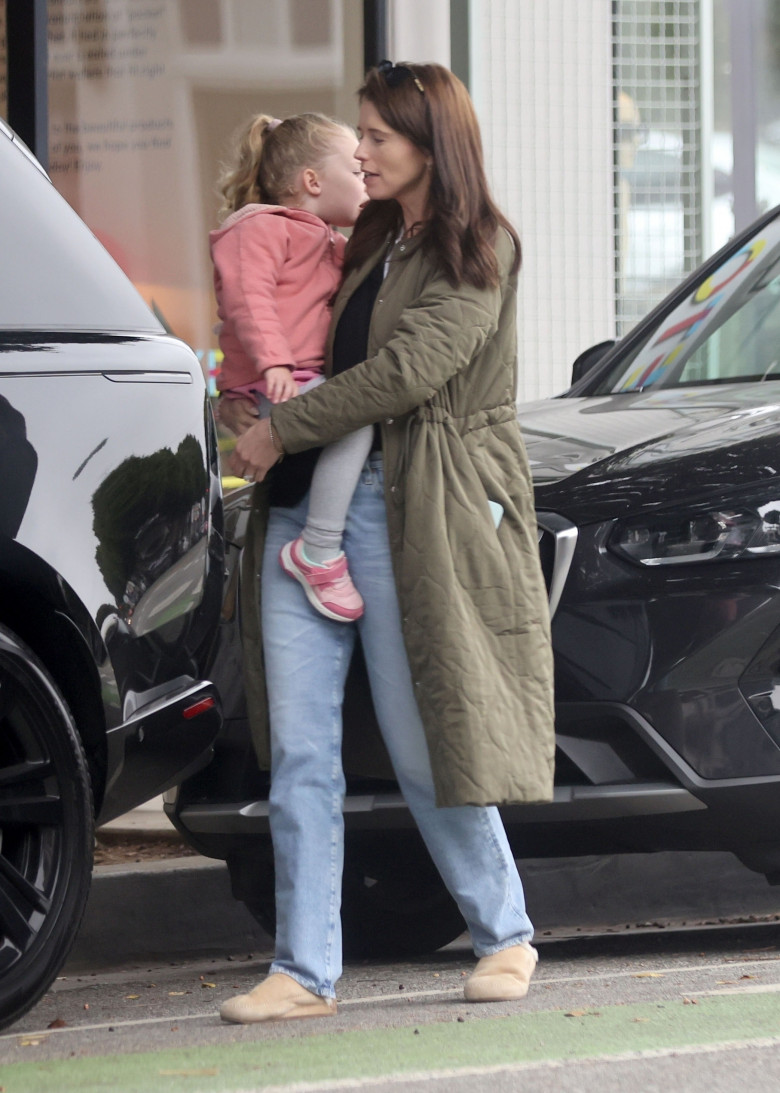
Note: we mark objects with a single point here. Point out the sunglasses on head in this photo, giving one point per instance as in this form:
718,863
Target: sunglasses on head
396,74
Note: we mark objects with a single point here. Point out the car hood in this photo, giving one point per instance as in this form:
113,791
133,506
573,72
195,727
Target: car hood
602,456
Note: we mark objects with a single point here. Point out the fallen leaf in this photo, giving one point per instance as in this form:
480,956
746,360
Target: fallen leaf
648,975
175,994
748,977
132,996
57,1023
690,1002
583,1013
209,985
29,1043
639,1020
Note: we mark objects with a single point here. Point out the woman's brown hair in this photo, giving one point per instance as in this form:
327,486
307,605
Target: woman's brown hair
429,106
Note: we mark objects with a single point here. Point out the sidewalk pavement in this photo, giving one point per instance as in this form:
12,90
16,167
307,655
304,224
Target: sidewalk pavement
148,819
177,908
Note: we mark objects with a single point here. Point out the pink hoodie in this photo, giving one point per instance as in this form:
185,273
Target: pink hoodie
275,273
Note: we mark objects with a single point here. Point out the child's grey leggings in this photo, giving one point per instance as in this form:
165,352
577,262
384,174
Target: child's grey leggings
336,475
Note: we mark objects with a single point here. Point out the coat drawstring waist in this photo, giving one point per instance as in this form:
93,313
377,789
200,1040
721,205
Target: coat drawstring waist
440,415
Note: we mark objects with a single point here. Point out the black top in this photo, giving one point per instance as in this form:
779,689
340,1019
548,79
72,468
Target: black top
350,344
290,480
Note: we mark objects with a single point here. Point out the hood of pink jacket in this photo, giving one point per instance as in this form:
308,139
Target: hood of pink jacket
267,210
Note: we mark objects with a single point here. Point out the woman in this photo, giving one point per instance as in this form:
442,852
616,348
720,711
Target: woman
441,542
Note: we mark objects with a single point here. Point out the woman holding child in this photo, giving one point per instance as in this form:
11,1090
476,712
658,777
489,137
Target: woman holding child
440,541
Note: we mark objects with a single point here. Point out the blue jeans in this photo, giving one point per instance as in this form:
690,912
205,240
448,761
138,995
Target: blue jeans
307,657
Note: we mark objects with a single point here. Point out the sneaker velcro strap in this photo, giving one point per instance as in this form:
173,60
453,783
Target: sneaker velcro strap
327,576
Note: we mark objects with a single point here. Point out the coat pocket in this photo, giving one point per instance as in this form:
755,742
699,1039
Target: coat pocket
453,551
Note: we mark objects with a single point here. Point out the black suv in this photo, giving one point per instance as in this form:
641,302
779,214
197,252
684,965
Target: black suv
657,478
111,566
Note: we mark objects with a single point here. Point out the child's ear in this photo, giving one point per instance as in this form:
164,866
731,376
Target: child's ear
310,182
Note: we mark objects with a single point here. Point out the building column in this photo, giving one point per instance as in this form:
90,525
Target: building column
541,81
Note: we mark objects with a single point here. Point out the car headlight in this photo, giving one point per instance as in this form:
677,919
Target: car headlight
701,535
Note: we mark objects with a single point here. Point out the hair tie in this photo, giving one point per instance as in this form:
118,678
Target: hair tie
272,124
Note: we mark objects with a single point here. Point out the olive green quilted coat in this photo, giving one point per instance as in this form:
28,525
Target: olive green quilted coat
441,380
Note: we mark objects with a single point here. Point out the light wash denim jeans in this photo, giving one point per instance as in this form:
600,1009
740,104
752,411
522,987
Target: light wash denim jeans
307,657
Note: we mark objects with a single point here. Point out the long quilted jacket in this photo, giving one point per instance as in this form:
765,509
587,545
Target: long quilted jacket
440,379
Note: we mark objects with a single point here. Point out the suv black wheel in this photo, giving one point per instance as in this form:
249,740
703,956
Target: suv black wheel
394,903
46,829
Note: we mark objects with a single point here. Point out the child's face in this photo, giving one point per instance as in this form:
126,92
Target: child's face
342,193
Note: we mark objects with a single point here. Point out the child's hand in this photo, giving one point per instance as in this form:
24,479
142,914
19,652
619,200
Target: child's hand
280,385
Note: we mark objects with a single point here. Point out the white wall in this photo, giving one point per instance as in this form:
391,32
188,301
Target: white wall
542,85
419,30
541,81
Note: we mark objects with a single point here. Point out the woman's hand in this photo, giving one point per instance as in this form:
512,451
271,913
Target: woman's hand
237,414
255,453
280,384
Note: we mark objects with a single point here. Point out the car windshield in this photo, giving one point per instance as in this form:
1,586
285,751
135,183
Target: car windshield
726,330
54,274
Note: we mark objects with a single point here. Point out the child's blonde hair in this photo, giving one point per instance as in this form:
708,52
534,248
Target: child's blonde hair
269,154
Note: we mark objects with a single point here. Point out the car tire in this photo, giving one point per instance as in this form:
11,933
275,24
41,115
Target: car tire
46,829
394,904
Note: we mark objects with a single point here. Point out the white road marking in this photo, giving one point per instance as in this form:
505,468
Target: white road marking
748,988
376,999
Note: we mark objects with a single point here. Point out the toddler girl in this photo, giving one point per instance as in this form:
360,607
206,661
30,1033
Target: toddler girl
277,265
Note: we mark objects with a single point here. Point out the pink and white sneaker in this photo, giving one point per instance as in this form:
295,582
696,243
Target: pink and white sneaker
329,588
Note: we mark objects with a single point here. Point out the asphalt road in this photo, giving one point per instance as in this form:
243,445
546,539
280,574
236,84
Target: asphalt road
659,1009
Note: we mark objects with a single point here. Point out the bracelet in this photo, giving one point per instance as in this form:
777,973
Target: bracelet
278,446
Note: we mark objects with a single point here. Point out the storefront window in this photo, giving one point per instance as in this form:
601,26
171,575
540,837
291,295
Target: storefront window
697,124
746,108
144,97
659,122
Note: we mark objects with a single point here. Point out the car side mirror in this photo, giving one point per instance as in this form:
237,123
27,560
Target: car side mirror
589,359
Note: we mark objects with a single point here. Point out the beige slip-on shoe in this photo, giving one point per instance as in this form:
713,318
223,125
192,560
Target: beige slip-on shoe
502,976
277,998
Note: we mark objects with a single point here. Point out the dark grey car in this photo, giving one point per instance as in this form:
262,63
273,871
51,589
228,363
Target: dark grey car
657,479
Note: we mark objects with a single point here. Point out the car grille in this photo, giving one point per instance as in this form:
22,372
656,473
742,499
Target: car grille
557,540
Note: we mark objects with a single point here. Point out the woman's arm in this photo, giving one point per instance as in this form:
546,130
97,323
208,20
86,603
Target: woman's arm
436,337
256,451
